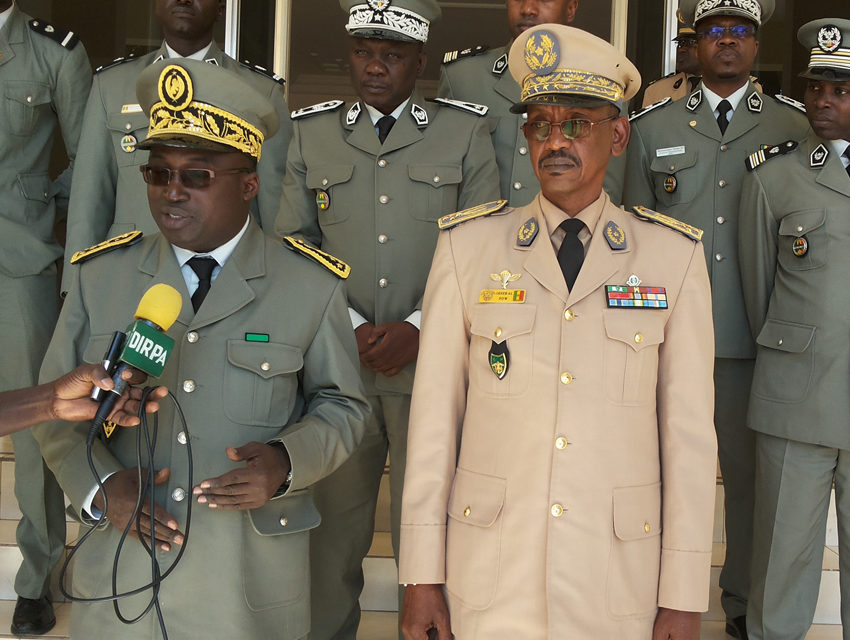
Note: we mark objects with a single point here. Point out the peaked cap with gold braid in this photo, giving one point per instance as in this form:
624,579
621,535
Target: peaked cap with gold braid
193,104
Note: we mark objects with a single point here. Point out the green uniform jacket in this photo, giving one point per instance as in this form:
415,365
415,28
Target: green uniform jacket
42,83
302,388
384,200
679,164
108,196
795,267
484,78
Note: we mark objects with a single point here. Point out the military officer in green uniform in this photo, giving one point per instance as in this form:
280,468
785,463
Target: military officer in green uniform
686,159
480,74
795,268
107,197
44,79
367,181
264,366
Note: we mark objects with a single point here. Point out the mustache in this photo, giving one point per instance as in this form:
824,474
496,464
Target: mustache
559,154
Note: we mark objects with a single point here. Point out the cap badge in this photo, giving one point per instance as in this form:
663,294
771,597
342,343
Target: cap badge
379,5
175,87
829,38
542,52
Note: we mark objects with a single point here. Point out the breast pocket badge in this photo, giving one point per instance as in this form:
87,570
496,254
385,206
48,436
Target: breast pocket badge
500,359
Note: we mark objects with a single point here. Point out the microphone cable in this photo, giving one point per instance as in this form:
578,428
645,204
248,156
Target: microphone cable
146,488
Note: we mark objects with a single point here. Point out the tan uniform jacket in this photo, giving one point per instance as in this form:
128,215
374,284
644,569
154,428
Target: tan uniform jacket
538,498
797,298
244,574
675,86
384,200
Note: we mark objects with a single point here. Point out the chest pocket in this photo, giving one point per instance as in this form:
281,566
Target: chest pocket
435,190
803,240
25,104
261,382
122,127
674,178
508,326
631,355
326,180
96,348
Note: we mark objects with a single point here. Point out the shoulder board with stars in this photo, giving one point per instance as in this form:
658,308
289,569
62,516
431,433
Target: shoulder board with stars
124,240
329,262
114,63
263,71
472,107
67,39
790,102
643,213
479,211
771,151
452,56
652,107
330,105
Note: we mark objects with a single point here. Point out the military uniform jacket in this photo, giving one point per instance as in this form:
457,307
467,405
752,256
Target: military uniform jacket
675,86
485,79
42,83
795,272
679,164
108,195
538,498
383,201
302,387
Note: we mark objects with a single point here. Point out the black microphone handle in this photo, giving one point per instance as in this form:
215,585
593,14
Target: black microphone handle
111,399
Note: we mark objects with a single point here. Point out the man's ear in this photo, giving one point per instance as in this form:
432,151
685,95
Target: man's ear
622,130
250,186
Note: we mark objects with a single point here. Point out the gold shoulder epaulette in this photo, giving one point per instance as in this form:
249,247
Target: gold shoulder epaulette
763,155
124,240
454,219
329,262
671,223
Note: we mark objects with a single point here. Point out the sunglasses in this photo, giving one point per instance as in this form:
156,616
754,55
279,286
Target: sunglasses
570,129
738,31
189,178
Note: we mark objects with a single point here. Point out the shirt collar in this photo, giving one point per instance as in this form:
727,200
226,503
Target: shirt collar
4,16
221,254
198,55
376,115
714,99
554,216
839,146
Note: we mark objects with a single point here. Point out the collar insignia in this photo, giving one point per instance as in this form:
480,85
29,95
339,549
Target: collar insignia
527,232
419,114
500,65
755,102
615,236
353,114
819,156
695,100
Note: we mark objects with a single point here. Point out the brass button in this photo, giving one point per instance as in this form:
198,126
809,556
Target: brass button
283,521
189,386
647,528
178,495
718,257
557,510
265,366
692,123
383,283
720,219
384,199
181,437
561,443
638,338
436,179
523,151
672,167
192,337
517,186
721,184
569,315
467,512
498,332
324,182
567,378
382,163
382,239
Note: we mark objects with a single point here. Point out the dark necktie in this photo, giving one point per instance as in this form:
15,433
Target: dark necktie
571,253
722,109
847,155
384,125
203,267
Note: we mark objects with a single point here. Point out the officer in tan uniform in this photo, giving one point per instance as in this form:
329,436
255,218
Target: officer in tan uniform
561,459
686,159
107,197
44,80
479,74
264,366
685,79
367,181
795,268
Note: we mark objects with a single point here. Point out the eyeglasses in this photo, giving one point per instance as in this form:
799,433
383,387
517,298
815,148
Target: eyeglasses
738,31
189,178
570,129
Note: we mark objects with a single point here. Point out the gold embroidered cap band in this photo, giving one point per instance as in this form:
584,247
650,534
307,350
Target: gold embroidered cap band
559,65
828,40
193,104
406,20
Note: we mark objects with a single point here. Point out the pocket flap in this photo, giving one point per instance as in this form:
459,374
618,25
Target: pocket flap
786,336
802,222
126,122
436,175
292,513
637,511
30,94
96,348
637,328
266,359
672,164
499,323
476,499
329,175
35,186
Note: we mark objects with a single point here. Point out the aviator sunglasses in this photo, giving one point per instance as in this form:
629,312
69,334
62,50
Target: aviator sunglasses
189,178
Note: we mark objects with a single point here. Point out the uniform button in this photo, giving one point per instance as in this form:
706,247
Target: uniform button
192,337
517,186
721,184
646,527
718,257
383,283
779,342
720,219
557,510
498,332
324,182
467,512
569,315
178,495
799,229
189,386
561,443
723,147
382,163
436,179
567,378
283,521
128,126
265,366
29,98
525,116
384,199
382,239
523,151
672,167
181,437
638,338
692,123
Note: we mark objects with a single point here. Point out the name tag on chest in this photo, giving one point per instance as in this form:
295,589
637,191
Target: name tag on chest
509,296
